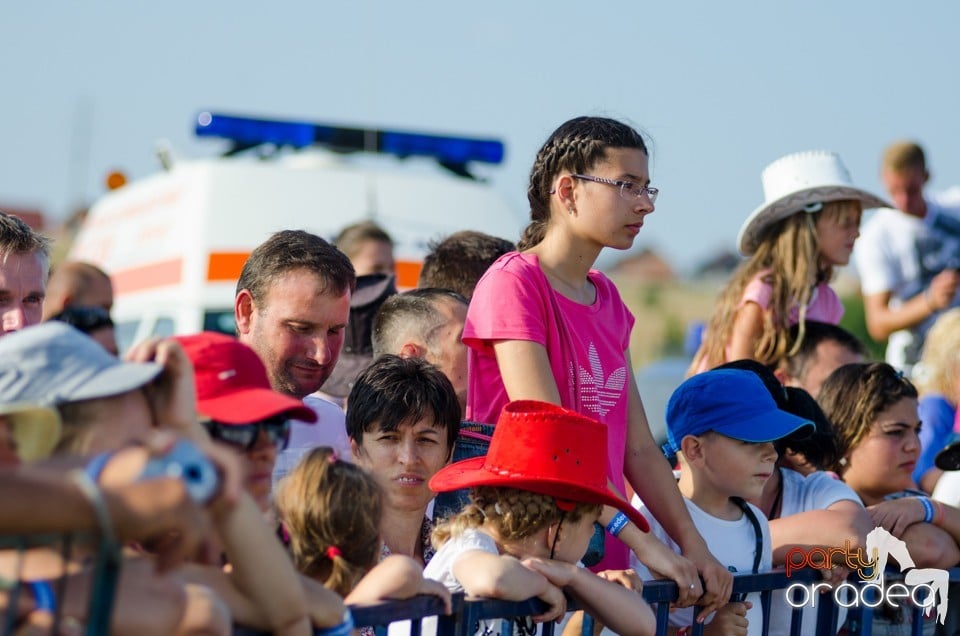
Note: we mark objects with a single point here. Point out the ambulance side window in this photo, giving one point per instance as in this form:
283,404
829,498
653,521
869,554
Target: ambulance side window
163,328
221,321
125,331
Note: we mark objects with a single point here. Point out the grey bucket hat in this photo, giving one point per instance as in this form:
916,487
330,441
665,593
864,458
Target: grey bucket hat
53,363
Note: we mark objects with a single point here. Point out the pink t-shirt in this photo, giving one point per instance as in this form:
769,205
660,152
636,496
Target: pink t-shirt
585,344
825,306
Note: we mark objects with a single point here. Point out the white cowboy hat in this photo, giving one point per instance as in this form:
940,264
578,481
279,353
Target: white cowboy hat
792,183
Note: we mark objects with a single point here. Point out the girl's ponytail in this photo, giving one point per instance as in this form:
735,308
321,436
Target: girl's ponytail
344,575
331,510
532,234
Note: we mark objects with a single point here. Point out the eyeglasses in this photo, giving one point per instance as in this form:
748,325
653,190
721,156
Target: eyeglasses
628,189
244,436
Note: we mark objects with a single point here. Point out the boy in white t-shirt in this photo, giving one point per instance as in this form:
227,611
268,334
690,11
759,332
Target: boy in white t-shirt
722,424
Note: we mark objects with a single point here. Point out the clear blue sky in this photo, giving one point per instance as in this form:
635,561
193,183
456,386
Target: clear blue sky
722,88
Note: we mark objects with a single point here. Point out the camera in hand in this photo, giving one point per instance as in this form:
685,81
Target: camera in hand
186,462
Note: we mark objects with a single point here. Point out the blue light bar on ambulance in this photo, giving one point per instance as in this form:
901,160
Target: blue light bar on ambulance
247,132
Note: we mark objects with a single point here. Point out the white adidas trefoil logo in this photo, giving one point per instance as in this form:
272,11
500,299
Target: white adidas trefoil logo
599,392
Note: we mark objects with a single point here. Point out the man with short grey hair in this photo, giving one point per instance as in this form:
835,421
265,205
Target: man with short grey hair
426,323
24,265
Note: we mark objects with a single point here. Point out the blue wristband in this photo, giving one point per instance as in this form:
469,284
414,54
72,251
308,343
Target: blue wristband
343,629
43,599
617,524
927,509
96,465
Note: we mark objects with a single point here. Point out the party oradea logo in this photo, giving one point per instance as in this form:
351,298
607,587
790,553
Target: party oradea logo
923,587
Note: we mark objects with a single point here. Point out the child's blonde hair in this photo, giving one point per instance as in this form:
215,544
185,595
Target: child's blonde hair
331,511
939,366
515,514
790,254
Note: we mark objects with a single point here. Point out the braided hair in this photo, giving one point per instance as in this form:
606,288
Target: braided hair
515,514
577,145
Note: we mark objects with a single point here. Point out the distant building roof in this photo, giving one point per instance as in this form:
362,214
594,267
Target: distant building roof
32,217
645,266
721,265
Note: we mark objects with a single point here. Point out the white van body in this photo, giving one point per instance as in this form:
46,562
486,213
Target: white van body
174,243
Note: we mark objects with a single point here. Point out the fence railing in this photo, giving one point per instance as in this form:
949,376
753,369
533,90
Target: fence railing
104,561
468,612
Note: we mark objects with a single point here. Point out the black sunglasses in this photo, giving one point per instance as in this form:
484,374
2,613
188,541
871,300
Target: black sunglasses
244,436
86,319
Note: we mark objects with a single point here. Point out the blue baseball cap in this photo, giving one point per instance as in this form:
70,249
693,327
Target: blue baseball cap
732,402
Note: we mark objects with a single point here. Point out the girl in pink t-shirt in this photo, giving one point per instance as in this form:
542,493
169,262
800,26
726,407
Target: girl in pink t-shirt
543,325
806,227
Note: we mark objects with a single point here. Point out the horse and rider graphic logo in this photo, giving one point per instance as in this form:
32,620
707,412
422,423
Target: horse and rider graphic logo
925,587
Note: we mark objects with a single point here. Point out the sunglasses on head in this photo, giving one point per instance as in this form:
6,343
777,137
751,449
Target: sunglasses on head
244,436
86,319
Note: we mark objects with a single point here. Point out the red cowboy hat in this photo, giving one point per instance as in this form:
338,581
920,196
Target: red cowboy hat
546,449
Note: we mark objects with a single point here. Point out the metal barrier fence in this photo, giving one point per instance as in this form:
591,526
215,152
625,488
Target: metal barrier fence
467,613
105,563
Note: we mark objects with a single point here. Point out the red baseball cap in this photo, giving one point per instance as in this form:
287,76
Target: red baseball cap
232,384
546,449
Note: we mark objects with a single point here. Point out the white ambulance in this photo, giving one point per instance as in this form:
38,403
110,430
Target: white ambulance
174,243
